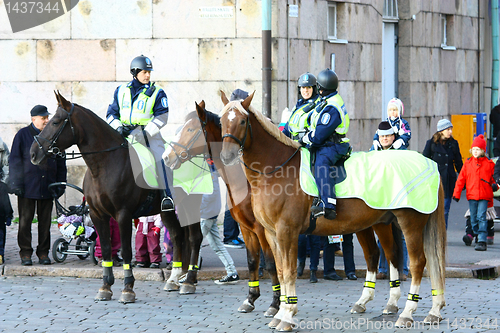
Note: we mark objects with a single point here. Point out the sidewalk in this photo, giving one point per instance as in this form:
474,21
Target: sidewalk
462,261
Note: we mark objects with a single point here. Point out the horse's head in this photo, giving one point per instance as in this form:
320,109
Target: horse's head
236,128
189,142
57,135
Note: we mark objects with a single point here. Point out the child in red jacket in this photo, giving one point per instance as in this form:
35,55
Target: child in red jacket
477,178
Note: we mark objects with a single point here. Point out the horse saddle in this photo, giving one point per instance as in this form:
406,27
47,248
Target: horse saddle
387,180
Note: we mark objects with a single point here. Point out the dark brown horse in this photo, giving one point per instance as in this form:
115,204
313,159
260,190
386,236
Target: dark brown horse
111,191
194,140
191,142
248,135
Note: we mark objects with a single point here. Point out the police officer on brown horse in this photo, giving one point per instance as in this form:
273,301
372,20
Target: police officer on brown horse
140,108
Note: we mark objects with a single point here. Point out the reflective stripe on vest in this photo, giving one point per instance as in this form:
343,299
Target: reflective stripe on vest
141,112
338,103
297,123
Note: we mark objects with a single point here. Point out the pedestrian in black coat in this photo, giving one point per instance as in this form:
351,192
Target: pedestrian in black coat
444,150
30,184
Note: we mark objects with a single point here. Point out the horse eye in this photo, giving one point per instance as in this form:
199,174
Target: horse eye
242,122
55,123
190,130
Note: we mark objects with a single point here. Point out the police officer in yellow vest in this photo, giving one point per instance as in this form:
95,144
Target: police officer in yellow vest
141,108
328,126
296,126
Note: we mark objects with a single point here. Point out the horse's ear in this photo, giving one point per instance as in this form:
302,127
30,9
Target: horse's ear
56,92
223,98
200,110
247,101
62,101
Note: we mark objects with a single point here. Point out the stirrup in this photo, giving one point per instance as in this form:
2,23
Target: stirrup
167,204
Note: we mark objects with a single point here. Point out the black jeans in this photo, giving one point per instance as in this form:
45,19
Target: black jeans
329,255
26,209
231,228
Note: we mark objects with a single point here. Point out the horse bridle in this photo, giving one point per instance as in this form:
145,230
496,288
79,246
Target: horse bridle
242,144
53,149
238,141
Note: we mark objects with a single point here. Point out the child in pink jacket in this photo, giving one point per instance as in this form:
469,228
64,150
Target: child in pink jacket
477,178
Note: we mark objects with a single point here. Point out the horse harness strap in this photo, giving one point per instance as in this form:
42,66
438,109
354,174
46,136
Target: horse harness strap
241,143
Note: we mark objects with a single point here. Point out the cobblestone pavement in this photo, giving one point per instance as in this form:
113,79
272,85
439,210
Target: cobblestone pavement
53,304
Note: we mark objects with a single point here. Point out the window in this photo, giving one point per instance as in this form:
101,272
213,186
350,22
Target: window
390,11
333,24
447,32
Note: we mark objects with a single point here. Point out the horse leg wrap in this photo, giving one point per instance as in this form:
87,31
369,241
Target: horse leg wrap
107,274
291,300
127,274
414,297
394,284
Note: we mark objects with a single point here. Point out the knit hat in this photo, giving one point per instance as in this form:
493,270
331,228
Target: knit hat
479,142
397,102
238,94
444,124
385,128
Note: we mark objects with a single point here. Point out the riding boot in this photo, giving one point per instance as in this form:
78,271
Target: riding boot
328,213
167,204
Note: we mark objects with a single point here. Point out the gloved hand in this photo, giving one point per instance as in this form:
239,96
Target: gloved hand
398,143
18,191
8,221
494,187
59,191
156,230
302,143
139,136
456,199
124,130
377,145
120,130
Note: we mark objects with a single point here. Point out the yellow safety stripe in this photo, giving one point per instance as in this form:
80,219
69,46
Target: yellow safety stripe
436,292
193,268
291,300
414,297
176,264
126,266
369,284
253,283
107,263
276,287
282,298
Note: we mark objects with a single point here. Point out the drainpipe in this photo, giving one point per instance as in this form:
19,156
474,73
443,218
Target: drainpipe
266,58
494,67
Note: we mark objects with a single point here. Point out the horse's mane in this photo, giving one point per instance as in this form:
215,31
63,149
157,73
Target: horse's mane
268,126
94,115
211,117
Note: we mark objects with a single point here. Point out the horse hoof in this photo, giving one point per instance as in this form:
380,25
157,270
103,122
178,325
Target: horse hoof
390,309
275,322
432,319
357,308
103,295
187,289
127,297
403,322
171,286
246,307
270,312
284,327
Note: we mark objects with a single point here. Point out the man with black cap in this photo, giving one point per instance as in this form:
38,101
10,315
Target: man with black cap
140,108
30,184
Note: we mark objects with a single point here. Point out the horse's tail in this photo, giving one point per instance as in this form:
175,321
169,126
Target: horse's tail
435,245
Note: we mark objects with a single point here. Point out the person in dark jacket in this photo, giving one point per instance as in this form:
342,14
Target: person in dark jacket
443,149
5,206
30,184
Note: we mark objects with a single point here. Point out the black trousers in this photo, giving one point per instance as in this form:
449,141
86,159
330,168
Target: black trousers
26,208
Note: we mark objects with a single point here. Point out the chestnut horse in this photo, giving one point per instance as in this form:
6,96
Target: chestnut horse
190,142
248,135
111,191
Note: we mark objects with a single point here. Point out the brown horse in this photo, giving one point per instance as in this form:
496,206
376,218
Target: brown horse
190,142
248,135
110,190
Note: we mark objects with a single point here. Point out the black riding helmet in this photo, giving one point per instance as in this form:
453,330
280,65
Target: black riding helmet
140,63
328,81
307,80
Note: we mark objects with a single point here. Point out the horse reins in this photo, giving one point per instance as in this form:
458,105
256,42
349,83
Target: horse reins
55,151
242,143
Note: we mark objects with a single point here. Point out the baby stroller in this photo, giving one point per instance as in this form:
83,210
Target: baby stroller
75,225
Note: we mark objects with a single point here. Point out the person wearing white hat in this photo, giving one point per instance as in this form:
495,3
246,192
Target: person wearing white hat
395,111
444,150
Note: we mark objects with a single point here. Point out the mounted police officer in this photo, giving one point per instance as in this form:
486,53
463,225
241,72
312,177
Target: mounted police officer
296,126
141,109
328,126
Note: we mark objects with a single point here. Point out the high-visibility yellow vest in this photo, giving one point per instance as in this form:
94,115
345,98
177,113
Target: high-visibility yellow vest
297,123
338,103
141,111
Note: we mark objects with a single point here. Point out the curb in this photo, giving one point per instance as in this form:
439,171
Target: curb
148,274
